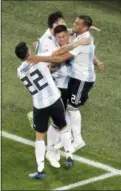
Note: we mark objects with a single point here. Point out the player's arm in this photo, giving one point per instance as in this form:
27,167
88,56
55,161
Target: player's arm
56,59
95,28
98,63
71,46
53,59
34,44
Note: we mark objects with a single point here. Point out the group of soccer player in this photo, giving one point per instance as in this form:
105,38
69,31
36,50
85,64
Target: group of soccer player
59,78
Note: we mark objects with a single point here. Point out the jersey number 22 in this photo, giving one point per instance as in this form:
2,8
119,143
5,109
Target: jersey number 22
35,81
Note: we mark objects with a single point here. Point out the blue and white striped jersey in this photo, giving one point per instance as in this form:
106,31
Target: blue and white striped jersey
39,82
61,76
46,43
83,66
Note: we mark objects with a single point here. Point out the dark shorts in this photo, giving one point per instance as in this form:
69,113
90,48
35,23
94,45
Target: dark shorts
64,96
78,92
55,111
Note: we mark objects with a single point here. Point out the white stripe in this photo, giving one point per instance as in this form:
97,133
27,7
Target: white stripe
18,139
77,158
93,163
79,93
85,182
63,104
87,161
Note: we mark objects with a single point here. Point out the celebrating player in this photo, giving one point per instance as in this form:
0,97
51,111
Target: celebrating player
46,103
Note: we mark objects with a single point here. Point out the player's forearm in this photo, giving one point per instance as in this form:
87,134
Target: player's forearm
55,59
71,46
95,28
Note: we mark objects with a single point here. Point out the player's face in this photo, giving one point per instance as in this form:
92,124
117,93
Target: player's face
62,38
78,26
59,22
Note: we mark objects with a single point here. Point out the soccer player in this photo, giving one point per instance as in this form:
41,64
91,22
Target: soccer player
48,42
46,103
61,77
82,76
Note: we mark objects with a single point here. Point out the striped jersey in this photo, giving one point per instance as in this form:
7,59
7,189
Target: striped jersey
39,82
61,76
46,43
83,66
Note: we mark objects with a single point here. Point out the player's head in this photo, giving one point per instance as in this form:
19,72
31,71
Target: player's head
82,24
55,19
22,51
61,35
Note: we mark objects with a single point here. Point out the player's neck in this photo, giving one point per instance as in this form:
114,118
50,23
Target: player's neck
25,58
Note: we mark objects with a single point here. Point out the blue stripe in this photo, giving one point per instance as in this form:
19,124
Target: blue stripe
90,66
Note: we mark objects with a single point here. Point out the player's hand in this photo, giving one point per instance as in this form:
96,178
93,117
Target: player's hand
33,59
52,68
95,28
35,43
100,66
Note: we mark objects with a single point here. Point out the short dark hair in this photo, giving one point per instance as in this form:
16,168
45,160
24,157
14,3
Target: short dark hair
54,17
21,50
87,20
60,28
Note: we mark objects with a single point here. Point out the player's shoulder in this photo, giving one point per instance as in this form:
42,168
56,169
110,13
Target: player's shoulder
24,67
46,37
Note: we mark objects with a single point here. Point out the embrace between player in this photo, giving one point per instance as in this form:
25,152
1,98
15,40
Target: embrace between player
74,77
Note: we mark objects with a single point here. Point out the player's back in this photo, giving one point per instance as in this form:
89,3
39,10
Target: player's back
39,82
